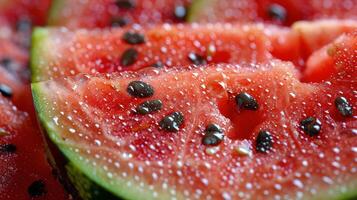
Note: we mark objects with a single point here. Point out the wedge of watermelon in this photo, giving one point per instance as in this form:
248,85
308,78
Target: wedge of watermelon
327,61
111,50
214,132
25,173
104,13
284,12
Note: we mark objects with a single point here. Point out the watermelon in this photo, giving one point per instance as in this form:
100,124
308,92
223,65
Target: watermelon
207,132
134,48
104,13
93,51
25,173
327,61
283,12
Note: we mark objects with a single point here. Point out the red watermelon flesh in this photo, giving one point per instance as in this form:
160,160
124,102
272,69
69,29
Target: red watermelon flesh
104,13
283,12
22,159
13,11
91,117
94,51
328,60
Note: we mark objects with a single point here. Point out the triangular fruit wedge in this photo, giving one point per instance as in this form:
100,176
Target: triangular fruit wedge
209,132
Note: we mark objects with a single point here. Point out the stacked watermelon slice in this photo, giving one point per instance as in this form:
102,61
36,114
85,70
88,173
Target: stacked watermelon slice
178,99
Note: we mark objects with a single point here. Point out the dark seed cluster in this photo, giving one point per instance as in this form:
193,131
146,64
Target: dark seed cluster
140,89
246,101
311,126
277,12
129,57
343,107
213,135
5,90
37,188
148,107
180,12
196,59
8,148
264,141
125,4
172,122
133,38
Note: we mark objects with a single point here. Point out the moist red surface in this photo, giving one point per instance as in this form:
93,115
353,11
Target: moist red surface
20,169
204,95
101,13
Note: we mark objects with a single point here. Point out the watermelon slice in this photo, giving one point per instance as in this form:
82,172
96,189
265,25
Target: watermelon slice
135,48
104,13
327,61
25,173
215,132
284,12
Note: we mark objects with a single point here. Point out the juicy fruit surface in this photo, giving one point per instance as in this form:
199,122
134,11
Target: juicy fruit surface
328,60
22,158
106,13
96,51
283,12
84,51
92,118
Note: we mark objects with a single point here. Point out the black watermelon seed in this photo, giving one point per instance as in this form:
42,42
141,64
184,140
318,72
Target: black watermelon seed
246,101
125,4
133,38
277,12
213,128
37,188
148,107
172,122
264,142
8,148
158,64
212,138
24,25
344,107
5,90
129,57
140,89
119,22
196,59
311,126
180,12
6,62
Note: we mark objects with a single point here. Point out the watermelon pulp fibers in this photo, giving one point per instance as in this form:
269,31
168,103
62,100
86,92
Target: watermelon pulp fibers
91,120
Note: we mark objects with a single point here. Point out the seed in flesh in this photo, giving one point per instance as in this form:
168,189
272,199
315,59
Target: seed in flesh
24,25
133,38
140,89
213,135
246,101
118,22
5,90
129,57
264,141
311,126
277,12
148,107
180,12
8,148
196,59
125,4
37,188
172,122
343,106
158,64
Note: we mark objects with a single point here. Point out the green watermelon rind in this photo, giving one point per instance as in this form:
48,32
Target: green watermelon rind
89,174
38,50
56,7
196,8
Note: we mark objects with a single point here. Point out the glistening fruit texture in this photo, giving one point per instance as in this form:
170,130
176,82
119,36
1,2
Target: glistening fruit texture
178,99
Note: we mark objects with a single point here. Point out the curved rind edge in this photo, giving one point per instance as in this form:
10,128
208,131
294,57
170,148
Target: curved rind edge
38,37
